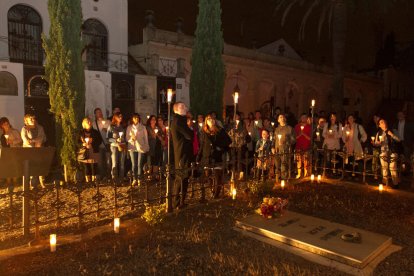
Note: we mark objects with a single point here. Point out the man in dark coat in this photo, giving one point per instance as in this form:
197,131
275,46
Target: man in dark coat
182,137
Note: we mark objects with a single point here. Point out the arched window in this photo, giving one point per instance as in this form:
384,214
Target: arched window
95,36
25,28
8,84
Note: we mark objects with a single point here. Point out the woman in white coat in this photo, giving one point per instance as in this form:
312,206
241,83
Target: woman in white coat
353,135
138,146
332,133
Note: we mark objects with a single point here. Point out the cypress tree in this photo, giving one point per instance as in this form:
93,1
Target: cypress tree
65,74
207,76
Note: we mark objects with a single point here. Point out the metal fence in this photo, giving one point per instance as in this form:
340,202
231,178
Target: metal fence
62,206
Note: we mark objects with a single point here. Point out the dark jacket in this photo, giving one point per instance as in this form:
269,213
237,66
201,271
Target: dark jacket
182,138
96,138
212,147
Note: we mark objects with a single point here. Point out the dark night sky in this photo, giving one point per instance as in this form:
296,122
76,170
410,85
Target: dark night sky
366,28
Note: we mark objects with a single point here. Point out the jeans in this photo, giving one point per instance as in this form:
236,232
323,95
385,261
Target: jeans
118,162
137,162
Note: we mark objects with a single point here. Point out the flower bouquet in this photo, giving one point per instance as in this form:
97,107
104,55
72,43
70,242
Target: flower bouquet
272,207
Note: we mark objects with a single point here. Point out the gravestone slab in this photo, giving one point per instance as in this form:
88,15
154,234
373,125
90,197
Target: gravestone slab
319,236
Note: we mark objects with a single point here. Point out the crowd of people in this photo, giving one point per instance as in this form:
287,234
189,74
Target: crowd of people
111,147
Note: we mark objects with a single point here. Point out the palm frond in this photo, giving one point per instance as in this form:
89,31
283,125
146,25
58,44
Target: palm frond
305,19
287,10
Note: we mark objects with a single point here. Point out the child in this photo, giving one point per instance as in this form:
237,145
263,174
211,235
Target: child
263,150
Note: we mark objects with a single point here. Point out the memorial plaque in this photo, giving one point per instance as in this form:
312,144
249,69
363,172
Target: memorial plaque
320,236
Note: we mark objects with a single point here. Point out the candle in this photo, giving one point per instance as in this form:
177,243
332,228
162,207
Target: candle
347,133
342,128
317,133
120,134
167,128
236,97
87,140
234,193
380,138
237,122
330,131
279,137
169,95
273,124
302,127
103,122
193,121
256,122
250,134
53,243
200,124
313,103
282,184
319,178
381,188
373,138
117,224
312,178
148,117
156,130
6,136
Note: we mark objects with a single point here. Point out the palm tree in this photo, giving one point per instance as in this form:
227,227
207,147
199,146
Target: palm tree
335,14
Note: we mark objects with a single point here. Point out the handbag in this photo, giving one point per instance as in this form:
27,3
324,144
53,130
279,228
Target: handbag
82,154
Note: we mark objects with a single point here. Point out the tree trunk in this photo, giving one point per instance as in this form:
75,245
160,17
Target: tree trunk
339,28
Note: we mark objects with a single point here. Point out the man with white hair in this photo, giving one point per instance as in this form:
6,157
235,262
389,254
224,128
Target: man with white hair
182,137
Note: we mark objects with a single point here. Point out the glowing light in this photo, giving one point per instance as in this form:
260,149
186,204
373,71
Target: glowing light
282,184
117,224
319,178
312,178
233,193
53,241
380,188
236,97
169,95
313,103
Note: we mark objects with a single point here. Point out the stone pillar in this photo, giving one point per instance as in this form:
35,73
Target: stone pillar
154,67
180,68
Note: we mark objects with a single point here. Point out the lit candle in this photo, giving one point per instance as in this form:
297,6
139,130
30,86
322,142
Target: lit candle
342,128
302,127
279,137
330,131
169,95
312,178
256,122
167,128
87,140
6,136
236,97
233,193
117,224
380,188
237,122
282,184
120,134
193,121
103,122
381,138
317,133
52,243
156,130
372,138
319,178
313,103
148,117
273,124
347,133
200,124
250,134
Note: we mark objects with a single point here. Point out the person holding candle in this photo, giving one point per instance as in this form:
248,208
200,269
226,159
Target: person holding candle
163,138
154,155
137,137
33,136
101,125
116,138
353,137
90,140
284,138
10,136
182,139
214,142
387,140
239,137
332,133
263,150
318,141
303,144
